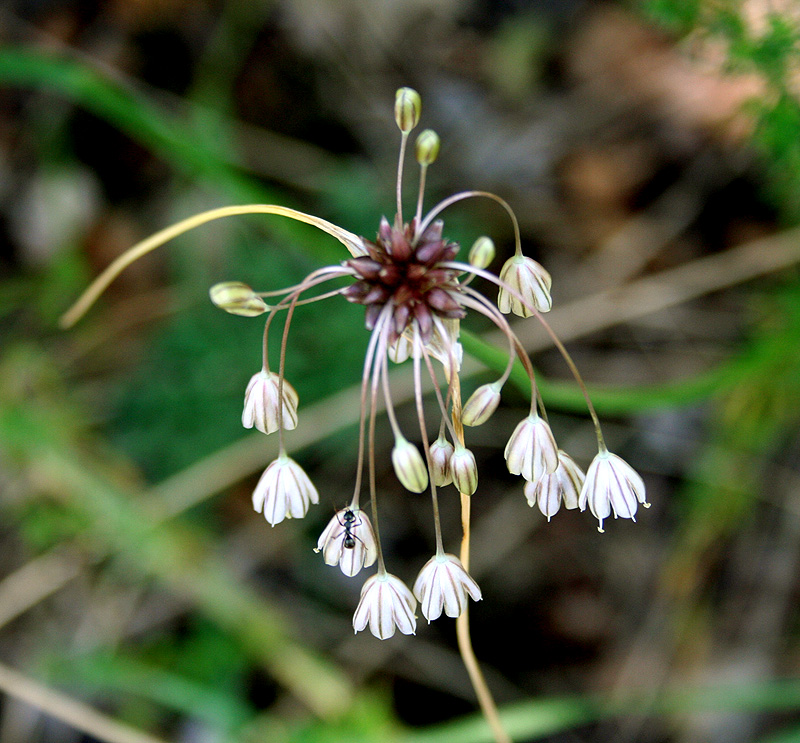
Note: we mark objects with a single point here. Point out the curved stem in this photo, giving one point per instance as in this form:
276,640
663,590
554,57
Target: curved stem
556,341
450,200
315,278
425,443
387,394
365,376
333,270
485,307
381,328
352,242
442,402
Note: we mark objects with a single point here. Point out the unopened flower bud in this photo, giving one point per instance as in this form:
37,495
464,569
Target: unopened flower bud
481,404
237,298
409,466
482,252
441,451
464,470
407,108
427,148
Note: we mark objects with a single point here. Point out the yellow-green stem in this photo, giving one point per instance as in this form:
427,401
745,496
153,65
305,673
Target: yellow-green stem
485,698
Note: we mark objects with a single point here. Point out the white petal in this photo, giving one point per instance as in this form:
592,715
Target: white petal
571,477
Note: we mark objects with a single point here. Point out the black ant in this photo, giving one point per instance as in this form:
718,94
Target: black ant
349,520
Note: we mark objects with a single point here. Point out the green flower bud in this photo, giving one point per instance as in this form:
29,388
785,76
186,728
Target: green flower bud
237,298
482,252
409,466
464,470
480,406
441,450
427,147
407,108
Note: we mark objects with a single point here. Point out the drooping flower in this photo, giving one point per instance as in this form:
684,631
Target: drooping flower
531,451
386,604
528,279
444,584
267,403
612,485
284,491
348,541
549,490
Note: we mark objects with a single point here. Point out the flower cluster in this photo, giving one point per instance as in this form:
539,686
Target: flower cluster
415,293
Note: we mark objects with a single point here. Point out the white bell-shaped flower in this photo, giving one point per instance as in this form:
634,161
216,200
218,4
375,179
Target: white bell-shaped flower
261,403
443,584
386,605
348,541
284,491
530,281
549,490
612,485
531,451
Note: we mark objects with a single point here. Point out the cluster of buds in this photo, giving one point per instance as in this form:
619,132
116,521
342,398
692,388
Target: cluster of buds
415,293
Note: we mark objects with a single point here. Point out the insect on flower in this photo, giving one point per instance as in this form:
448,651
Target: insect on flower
415,293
